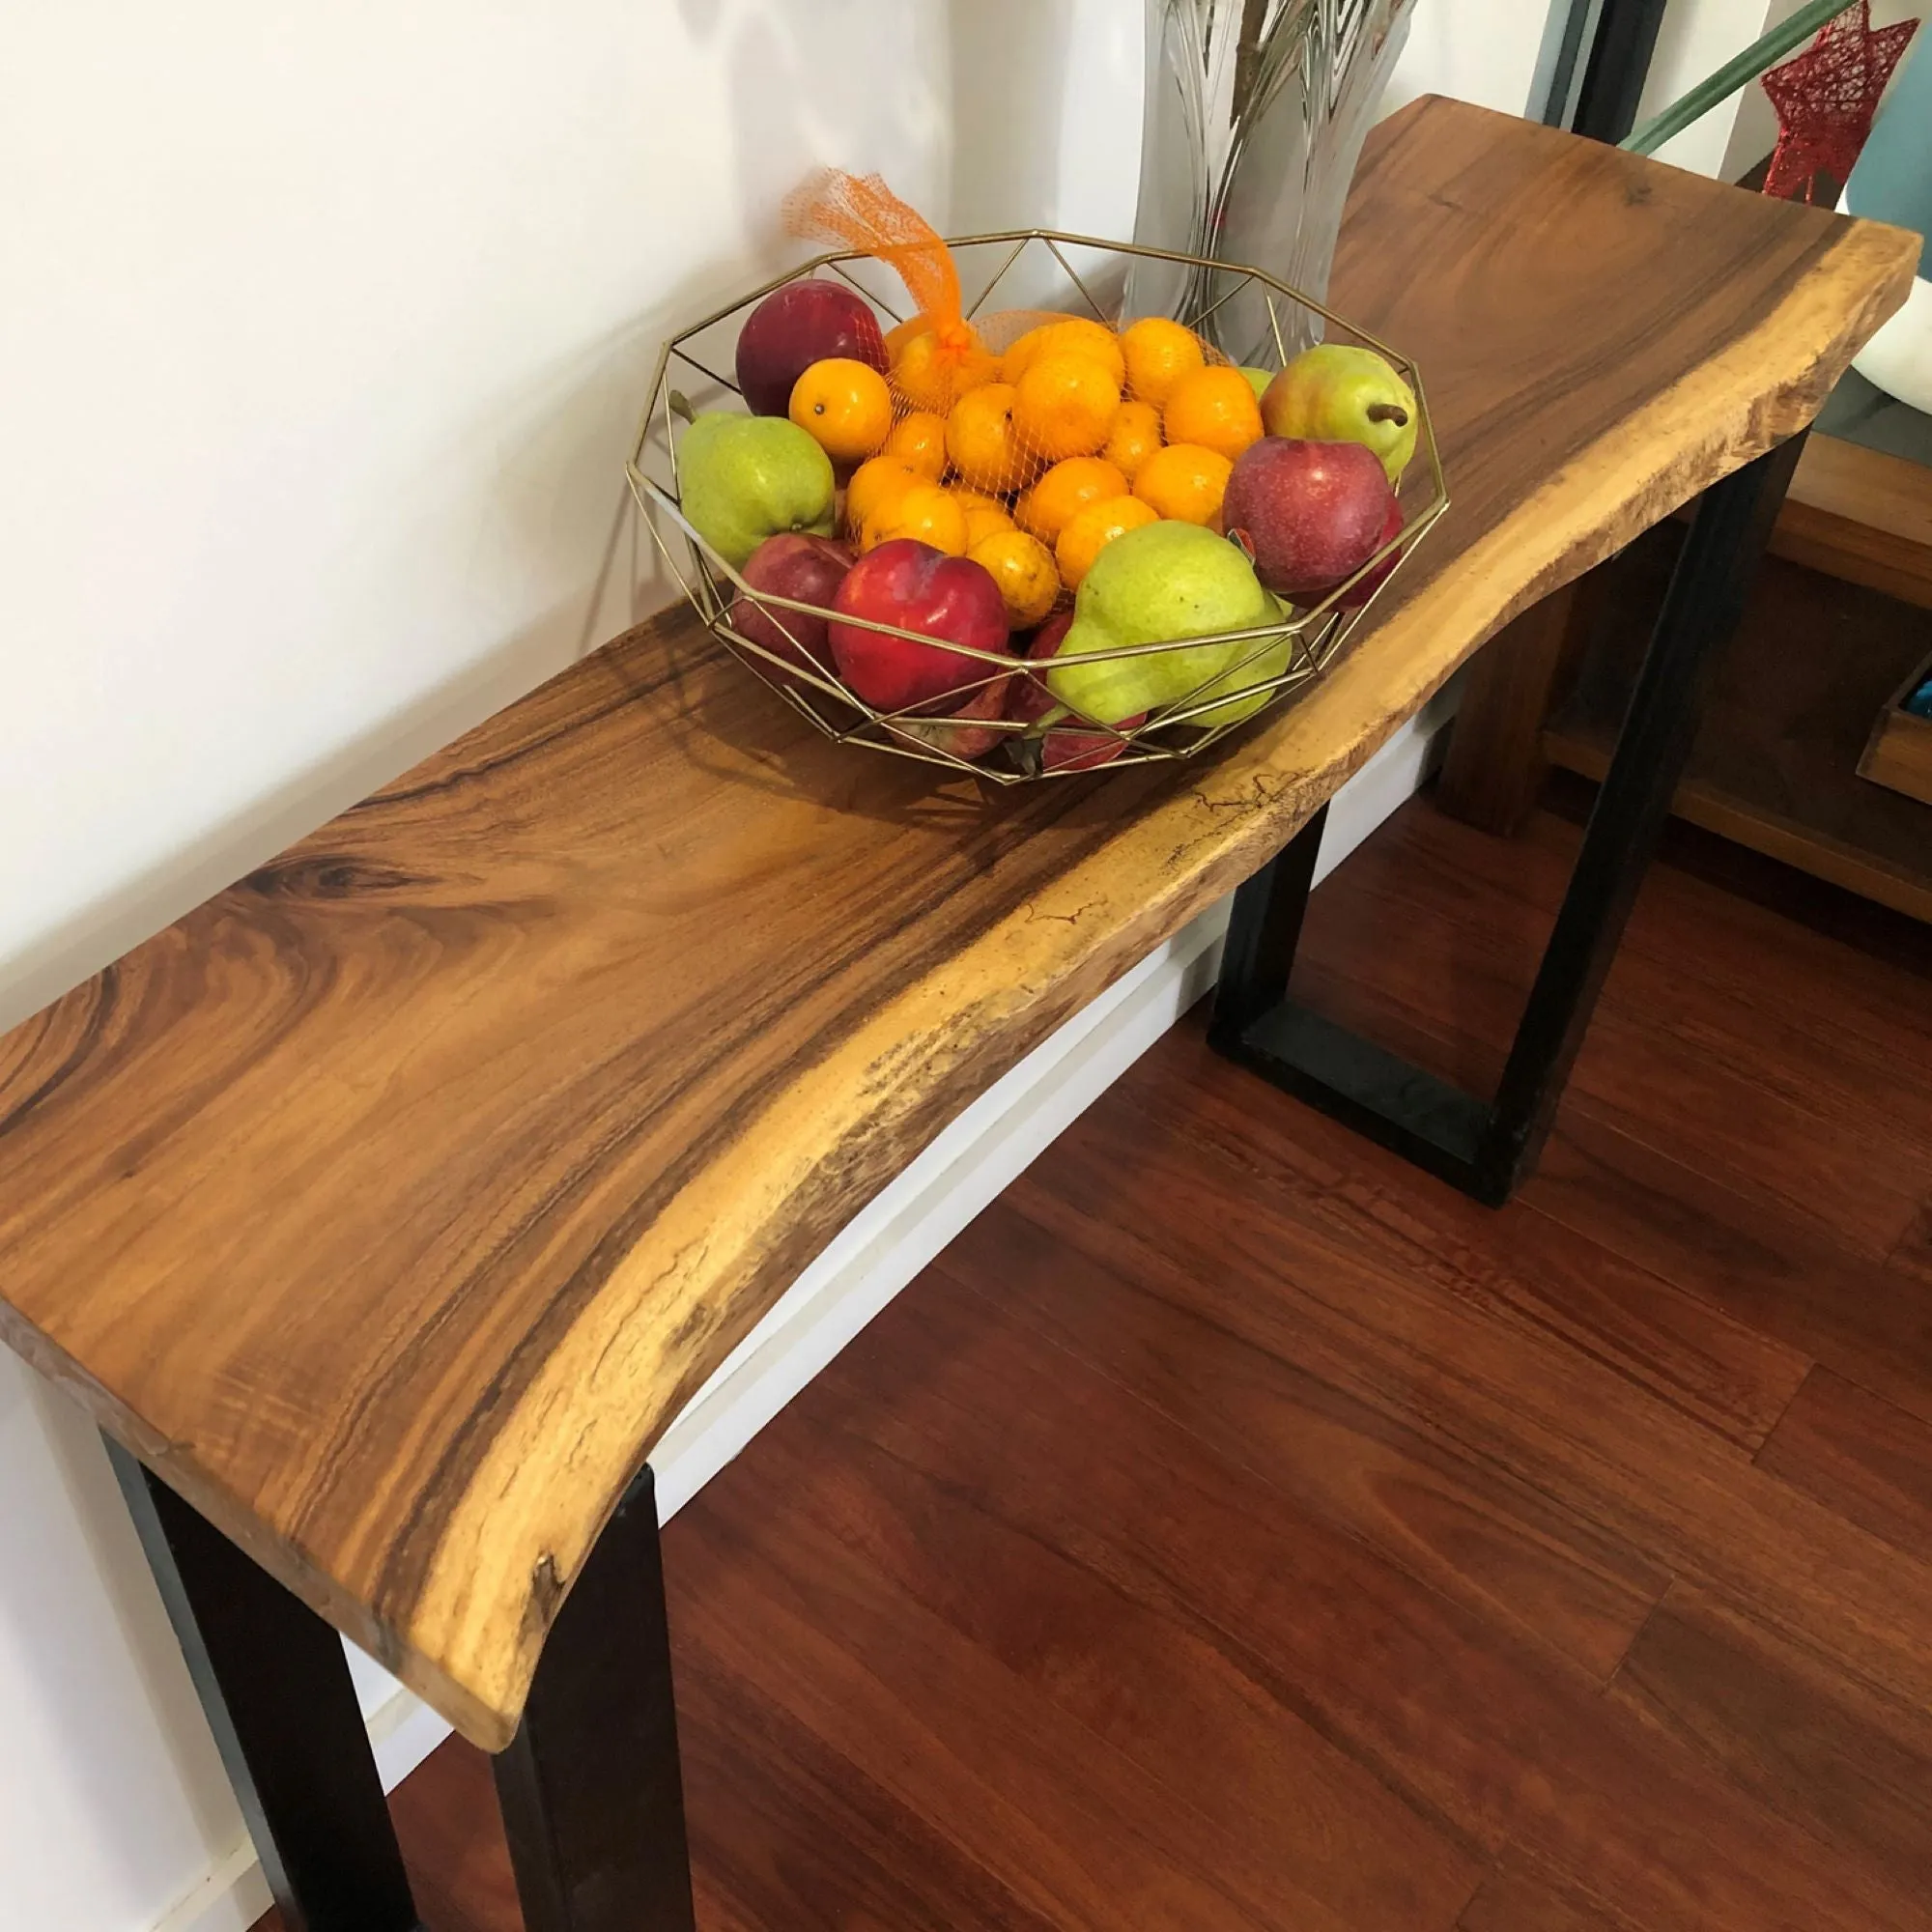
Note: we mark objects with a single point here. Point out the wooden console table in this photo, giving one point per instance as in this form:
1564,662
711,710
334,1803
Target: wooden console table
385,1210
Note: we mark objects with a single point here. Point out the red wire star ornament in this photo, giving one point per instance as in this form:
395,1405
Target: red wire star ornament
1827,97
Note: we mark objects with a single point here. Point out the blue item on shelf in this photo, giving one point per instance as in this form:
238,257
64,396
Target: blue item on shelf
1919,704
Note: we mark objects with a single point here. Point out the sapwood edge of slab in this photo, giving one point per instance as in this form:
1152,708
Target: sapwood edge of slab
725,1247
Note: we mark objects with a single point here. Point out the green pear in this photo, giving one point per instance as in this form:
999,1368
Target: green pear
1258,380
1337,393
1260,660
744,478
1159,584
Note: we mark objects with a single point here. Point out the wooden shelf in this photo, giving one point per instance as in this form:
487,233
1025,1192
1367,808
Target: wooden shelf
1774,767
1861,516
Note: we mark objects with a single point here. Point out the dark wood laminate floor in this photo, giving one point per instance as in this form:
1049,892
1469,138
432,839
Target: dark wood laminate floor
1236,1528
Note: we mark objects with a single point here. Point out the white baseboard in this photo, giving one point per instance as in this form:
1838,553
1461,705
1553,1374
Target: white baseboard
883,1247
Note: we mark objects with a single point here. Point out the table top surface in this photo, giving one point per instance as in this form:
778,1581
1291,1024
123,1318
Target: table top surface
392,1204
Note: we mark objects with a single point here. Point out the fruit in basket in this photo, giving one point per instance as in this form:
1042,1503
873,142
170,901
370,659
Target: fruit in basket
936,367
806,569
1309,513
1089,531
915,587
1340,392
872,482
1134,437
1258,381
902,332
1062,747
1158,354
1024,569
795,327
1359,594
982,442
1065,405
1261,659
1214,408
844,406
1046,509
1184,481
1074,335
984,515
922,511
960,732
744,478
919,440
1164,583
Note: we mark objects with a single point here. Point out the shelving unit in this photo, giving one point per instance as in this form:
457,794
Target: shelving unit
1775,765
1861,515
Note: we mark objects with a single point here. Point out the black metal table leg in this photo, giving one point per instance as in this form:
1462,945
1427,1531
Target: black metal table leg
591,1788
277,1693
1489,1149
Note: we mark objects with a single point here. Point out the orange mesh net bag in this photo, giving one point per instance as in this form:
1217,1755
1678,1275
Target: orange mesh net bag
936,353
1030,439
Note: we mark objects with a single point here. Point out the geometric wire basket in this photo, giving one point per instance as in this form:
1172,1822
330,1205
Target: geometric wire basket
1263,667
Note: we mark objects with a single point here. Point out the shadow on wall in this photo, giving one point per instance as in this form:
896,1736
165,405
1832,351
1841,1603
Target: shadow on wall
1010,66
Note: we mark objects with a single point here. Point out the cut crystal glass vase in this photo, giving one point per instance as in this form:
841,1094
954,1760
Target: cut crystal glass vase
1254,119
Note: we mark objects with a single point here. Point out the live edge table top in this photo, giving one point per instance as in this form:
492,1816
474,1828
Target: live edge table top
392,1204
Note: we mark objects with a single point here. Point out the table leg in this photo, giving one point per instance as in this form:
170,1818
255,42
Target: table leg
591,1788
1488,1148
278,1696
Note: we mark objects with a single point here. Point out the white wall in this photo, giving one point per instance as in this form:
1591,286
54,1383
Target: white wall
325,334
1480,51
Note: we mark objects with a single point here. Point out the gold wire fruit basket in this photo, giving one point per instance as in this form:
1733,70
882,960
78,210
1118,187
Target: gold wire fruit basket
1264,666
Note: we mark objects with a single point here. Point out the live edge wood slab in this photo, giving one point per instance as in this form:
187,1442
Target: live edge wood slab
392,1204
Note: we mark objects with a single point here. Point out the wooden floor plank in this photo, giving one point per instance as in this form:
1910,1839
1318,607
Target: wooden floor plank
1460,1523
1499,1741
1060,1701
1524,1268
1859,1455
1517,1902
1836,1758
1412,1346
1765,1262
1913,1255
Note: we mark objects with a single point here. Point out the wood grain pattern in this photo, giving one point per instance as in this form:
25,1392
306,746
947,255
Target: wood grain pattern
1184,1579
1515,1901
1484,1734
1866,1458
392,1203
1485,1538
1838,1759
1410,1345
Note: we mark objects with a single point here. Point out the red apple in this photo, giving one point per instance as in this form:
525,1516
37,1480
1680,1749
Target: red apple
964,740
1062,749
916,587
791,564
1354,599
1310,514
795,327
